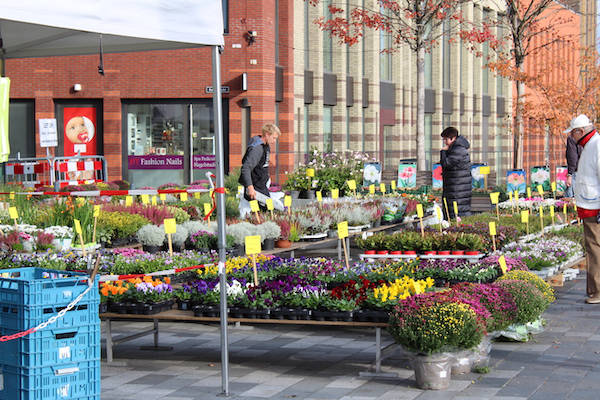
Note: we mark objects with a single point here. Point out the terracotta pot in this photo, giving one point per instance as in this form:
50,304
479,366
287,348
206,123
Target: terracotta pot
382,252
472,253
369,251
430,253
284,244
410,252
444,252
395,252
458,252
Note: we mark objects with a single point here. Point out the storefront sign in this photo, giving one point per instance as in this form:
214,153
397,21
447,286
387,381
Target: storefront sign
205,161
153,161
48,132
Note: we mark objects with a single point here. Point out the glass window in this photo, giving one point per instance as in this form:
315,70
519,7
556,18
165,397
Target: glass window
327,40
225,4
306,35
21,128
327,129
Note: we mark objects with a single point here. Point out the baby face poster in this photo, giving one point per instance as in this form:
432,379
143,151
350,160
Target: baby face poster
79,130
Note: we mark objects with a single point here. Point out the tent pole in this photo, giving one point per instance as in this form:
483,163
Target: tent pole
218,124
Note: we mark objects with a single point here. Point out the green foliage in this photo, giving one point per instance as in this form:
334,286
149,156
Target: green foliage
538,282
120,225
530,302
179,214
232,181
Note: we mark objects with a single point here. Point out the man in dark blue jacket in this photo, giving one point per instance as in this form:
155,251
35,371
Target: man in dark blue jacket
456,171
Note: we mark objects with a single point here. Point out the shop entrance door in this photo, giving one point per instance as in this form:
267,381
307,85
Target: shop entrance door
79,127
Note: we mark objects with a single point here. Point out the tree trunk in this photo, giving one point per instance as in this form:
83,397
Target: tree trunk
421,109
518,134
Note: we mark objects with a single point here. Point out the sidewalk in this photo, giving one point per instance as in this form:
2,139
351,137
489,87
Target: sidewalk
306,363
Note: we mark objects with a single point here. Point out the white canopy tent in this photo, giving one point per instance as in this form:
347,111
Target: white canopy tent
42,28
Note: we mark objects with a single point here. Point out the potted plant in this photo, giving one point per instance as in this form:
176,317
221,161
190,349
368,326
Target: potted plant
151,237
203,241
269,231
63,236
471,243
43,241
179,238
284,238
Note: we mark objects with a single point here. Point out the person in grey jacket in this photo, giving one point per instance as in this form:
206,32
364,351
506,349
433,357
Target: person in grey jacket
456,171
573,153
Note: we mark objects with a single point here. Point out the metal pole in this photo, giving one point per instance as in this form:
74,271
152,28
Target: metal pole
191,111
218,117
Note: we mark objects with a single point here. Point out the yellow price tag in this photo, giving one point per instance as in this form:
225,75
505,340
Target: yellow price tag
525,216
541,212
439,213
510,196
162,196
528,192
269,203
145,199
552,212
254,206
553,185
516,195
393,185
382,187
11,195
502,262
494,197
196,195
77,226
420,210
484,170
183,196
96,211
540,190
128,200
154,202
287,201
565,209
371,189
170,226
253,244
210,193
492,228
455,206
13,213
310,172
207,208
352,184
335,193
343,229
319,196
575,207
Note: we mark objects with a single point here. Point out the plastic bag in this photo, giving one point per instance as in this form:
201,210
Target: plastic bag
536,326
518,333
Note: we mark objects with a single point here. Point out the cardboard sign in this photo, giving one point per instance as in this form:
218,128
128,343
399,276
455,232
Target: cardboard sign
502,262
525,216
484,170
371,189
96,211
420,210
319,196
154,202
77,226
393,185
162,196
287,201
540,190
170,226
253,244
553,186
335,193
207,208
269,203
494,197
145,199
310,172
183,196
492,228
352,184
128,200
342,229
254,206
13,213
382,187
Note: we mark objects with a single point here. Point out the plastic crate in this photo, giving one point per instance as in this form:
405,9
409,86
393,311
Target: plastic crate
22,317
44,287
76,381
51,347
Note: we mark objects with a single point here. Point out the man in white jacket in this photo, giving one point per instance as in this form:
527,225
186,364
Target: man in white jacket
587,198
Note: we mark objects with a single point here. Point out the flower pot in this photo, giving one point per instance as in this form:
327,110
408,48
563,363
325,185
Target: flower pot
295,194
410,252
472,253
432,372
382,252
103,308
332,234
369,251
458,252
269,244
395,252
284,244
151,249
461,362
430,253
307,194
481,354
443,252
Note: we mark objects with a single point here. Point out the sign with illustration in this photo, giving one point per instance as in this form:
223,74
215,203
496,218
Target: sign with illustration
516,179
477,178
541,176
372,174
407,176
436,177
561,178
79,131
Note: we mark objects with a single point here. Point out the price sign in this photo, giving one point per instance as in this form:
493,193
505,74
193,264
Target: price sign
553,185
382,187
310,172
196,195
439,213
183,196
528,192
287,201
154,202
552,212
254,206
494,197
352,184
455,206
492,228
13,213
502,262
335,193
207,208
525,216
420,210
343,229
484,170
77,226
145,199
393,185
371,189
96,211
510,196
170,226
128,200
11,195
540,190
253,244
516,195
319,196
565,209
541,212
269,203
162,196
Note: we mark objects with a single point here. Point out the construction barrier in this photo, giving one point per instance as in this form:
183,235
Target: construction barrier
78,170
29,172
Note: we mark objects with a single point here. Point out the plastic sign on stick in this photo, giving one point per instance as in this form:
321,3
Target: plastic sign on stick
11,195
170,226
145,199
382,187
484,170
319,196
342,229
393,185
492,228
183,196
552,213
77,226
540,190
420,210
525,216
553,185
352,184
371,189
269,203
528,192
196,195
287,201
510,197
253,244
502,262
310,172
80,201
154,202
13,213
335,193
162,197
494,197
128,200
96,211
455,206
207,208
254,206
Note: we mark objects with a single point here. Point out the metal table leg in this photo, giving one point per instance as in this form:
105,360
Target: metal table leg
378,358
109,341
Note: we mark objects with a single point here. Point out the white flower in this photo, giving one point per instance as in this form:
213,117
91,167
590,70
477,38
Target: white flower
476,174
371,173
540,176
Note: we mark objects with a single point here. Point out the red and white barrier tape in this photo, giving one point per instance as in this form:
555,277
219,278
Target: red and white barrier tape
95,193
172,271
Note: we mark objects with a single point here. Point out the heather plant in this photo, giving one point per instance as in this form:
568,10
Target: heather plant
530,302
43,240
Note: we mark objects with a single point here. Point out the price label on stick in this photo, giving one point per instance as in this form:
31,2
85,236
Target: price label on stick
183,196
420,210
253,244
162,196
254,206
484,170
371,189
492,228
510,196
96,211
77,226
525,216
80,201
269,203
393,184
170,226
540,190
494,197
335,193
196,195
382,187
319,196
502,262
565,210
310,172
343,229
455,206
11,195
287,201
13,213
128,200
154,202
552,212
528,192
207,208
553,184
439,214
352,184
145,199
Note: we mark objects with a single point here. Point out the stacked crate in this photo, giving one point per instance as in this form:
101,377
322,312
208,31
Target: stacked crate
61,361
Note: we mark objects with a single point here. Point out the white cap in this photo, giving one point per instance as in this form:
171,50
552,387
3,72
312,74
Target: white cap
581,121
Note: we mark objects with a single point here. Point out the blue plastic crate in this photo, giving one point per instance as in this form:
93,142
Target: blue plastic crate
51,347
44,287
76,381
22,317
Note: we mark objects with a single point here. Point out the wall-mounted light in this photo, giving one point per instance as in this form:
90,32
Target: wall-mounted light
250,36
244,81
77,87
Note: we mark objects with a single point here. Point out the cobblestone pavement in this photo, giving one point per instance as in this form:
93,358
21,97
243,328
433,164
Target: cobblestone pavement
311,363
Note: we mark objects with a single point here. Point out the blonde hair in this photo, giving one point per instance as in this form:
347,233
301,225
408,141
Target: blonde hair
270,129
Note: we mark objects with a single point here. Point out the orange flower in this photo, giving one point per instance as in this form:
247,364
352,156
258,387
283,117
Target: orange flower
122,290
167,280
104,291
119,283
114,290
147,278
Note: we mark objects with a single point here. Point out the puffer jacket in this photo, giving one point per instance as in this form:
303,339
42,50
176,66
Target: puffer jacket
587,179
456,173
